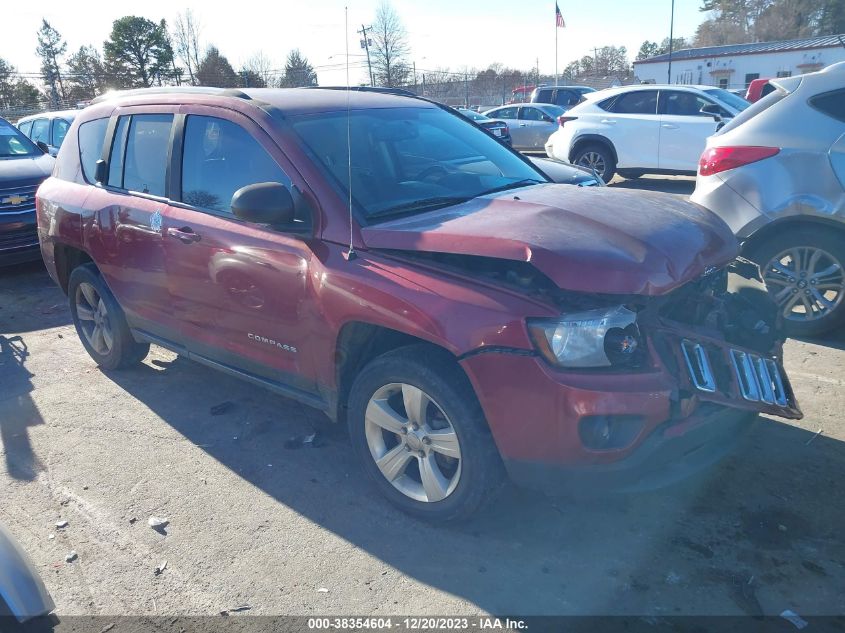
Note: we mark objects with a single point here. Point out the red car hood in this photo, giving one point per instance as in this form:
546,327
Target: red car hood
585,239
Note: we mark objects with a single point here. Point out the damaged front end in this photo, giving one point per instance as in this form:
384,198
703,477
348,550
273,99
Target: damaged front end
721,337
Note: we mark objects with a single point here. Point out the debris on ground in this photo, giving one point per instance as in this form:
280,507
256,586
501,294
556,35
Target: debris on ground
672,578
107,628
51,537
745,597
782,527
61,524
322,590
223,407
243,607
158,570
791,616
158,524
132,520
303,440
815,435
71,556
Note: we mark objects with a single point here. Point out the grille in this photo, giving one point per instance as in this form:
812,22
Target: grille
9,199
19,238
756,378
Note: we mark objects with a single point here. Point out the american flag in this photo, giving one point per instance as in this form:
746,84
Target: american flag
559,17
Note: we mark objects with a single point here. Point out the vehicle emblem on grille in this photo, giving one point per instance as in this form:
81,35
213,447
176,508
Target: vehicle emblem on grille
155,221
14,200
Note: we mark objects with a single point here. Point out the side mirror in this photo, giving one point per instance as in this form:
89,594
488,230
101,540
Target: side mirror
711,109
100,171
548,119
43,146
264,203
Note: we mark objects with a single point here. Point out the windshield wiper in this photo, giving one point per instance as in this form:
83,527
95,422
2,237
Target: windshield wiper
426,204
525,182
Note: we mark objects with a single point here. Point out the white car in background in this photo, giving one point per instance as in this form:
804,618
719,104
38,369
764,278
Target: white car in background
642,129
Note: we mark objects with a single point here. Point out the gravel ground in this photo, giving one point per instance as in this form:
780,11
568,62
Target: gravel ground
299,531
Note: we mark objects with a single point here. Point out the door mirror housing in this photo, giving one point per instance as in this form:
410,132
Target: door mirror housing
264,203
711,109
43,146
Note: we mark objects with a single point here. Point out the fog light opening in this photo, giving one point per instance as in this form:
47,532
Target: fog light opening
609,432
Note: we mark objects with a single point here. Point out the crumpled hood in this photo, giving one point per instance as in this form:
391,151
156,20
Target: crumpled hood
594,239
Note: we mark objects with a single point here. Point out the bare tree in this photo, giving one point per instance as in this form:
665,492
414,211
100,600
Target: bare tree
186,42
390,48
50,49
261,67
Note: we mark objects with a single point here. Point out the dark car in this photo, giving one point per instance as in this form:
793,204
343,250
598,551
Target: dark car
497,128
564,96
23,166
465,316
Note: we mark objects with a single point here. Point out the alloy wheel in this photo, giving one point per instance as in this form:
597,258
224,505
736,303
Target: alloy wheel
412,442
807,283
93,318
594,161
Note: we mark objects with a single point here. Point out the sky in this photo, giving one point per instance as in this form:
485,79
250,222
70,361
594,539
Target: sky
454,34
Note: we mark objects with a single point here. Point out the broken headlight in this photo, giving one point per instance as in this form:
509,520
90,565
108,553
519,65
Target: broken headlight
603,337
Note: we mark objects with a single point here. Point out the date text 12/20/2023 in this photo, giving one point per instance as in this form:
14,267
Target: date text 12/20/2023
480,623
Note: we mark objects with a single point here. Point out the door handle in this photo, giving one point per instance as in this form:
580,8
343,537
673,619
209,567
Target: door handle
669,126
522,124
185,235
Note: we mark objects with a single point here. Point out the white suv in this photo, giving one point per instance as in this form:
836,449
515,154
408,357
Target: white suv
643,128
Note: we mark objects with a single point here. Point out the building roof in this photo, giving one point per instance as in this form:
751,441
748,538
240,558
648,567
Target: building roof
600,82
749,49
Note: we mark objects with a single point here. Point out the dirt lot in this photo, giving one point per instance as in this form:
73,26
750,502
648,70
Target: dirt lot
255,523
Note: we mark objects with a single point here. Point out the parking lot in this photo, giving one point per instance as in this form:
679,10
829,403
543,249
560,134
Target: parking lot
261,524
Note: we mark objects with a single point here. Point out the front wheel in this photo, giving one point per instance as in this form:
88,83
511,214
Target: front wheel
420,434
803,272
598,158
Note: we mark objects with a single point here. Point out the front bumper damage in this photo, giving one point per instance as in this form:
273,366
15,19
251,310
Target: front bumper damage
715,363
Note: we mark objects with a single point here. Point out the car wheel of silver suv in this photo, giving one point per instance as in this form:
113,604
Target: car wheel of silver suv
804,274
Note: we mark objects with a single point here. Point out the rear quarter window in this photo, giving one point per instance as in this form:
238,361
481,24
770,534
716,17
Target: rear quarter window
753,110
91,135
831,103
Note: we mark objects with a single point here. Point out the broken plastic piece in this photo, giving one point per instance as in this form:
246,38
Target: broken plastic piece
791,616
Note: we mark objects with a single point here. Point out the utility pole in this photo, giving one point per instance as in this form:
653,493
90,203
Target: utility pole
415,77
596,61
537,66
365,44
671,35
466,89
423,92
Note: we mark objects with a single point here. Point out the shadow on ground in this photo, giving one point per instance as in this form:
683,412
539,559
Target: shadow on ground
755,530
676,185
17,410
41,306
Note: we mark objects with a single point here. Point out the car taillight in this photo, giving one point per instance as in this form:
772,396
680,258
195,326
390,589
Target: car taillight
717,159
563,119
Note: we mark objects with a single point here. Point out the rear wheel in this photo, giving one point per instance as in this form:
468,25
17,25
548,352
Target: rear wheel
99,321
596,157
420,434
803,271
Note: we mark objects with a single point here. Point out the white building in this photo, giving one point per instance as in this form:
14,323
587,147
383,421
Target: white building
736,65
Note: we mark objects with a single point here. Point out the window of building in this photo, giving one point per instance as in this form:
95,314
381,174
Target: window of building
749,77
784,73
723,83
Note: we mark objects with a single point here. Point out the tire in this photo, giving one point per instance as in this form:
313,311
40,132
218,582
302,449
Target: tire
123,351
807,240
434,373
596,156
630,174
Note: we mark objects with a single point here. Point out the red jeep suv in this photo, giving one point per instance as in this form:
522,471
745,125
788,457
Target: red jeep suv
383,259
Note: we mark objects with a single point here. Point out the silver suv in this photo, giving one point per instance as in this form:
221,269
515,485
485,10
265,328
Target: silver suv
776,175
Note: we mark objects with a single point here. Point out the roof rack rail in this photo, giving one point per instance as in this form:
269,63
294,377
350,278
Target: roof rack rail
380,89
202,90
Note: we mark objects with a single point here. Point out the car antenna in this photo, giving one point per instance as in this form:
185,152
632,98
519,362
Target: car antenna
350,254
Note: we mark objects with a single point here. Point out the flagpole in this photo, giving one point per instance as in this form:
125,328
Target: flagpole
556,81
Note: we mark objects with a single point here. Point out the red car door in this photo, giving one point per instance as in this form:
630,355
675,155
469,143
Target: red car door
124,232
240,290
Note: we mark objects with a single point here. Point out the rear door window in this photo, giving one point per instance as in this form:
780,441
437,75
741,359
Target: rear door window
639,102
682,103
91,136
530,114
145,162
831,103
60,127
504,113
219,157
25,127
41,130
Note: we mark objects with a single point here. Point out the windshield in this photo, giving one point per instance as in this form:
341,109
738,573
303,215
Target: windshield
13,143
410,160
552,110
735,101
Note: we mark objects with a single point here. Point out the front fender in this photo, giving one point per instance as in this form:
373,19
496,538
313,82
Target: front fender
20,587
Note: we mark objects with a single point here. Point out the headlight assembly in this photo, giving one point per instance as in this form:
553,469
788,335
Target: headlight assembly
603,337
